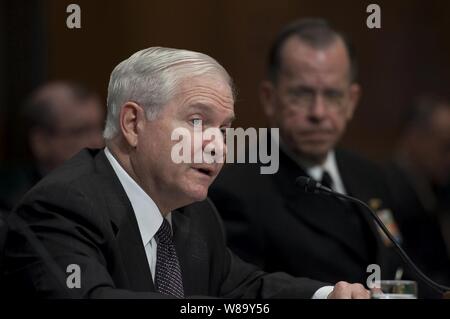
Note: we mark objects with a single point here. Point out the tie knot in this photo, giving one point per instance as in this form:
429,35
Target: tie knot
326,181
164,233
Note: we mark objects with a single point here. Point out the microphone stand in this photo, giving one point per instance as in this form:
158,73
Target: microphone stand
308,185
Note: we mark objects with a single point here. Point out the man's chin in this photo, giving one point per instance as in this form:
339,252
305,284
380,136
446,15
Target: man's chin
198,194
313,154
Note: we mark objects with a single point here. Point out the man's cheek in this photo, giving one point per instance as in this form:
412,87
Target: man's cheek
219,168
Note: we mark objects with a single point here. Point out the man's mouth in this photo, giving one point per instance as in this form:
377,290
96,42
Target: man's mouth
207,171
315,135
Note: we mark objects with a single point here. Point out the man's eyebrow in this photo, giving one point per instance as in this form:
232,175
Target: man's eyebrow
208,109
230,119
302,87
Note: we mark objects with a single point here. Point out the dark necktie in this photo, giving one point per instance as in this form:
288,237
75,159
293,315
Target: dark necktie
327,181
168,278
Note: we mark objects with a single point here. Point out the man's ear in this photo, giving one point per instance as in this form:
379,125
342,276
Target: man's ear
267,98
354,95
132,117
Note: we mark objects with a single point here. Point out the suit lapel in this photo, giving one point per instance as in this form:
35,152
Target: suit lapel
192,250
316,210
192,253
123,222
356,186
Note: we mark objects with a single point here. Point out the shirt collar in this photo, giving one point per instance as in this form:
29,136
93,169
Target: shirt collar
330,165
148,215
316,170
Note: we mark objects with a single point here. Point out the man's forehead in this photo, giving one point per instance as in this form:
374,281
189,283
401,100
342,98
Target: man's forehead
299,54
204,87
204,80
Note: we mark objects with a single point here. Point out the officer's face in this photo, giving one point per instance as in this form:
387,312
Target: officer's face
313,98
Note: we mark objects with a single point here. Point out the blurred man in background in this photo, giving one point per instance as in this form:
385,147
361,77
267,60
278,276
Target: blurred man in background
311,94
60,119
418,177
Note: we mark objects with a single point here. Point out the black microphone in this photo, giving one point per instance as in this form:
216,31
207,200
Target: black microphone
308,185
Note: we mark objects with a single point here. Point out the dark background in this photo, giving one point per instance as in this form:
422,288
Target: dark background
408,55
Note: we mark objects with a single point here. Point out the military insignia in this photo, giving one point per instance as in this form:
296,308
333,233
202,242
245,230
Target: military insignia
386,216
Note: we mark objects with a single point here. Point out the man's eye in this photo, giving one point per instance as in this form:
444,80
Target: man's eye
333,94
302,95
196,122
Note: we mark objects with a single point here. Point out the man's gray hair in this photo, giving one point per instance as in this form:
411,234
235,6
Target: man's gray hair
150,77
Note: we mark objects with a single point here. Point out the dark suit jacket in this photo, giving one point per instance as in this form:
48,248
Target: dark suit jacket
419,225
271,223
80,214
14,183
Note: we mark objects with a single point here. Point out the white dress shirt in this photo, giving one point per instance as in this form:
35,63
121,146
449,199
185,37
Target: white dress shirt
149,218
330,165
316,170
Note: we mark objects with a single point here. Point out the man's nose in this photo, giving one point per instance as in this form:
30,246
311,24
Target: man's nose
215,143
318,108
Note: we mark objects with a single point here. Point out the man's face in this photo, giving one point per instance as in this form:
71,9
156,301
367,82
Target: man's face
434,147
81,126
204,98
77,124
313,98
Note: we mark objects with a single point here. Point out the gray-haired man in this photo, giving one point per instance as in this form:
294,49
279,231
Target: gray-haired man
127,218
